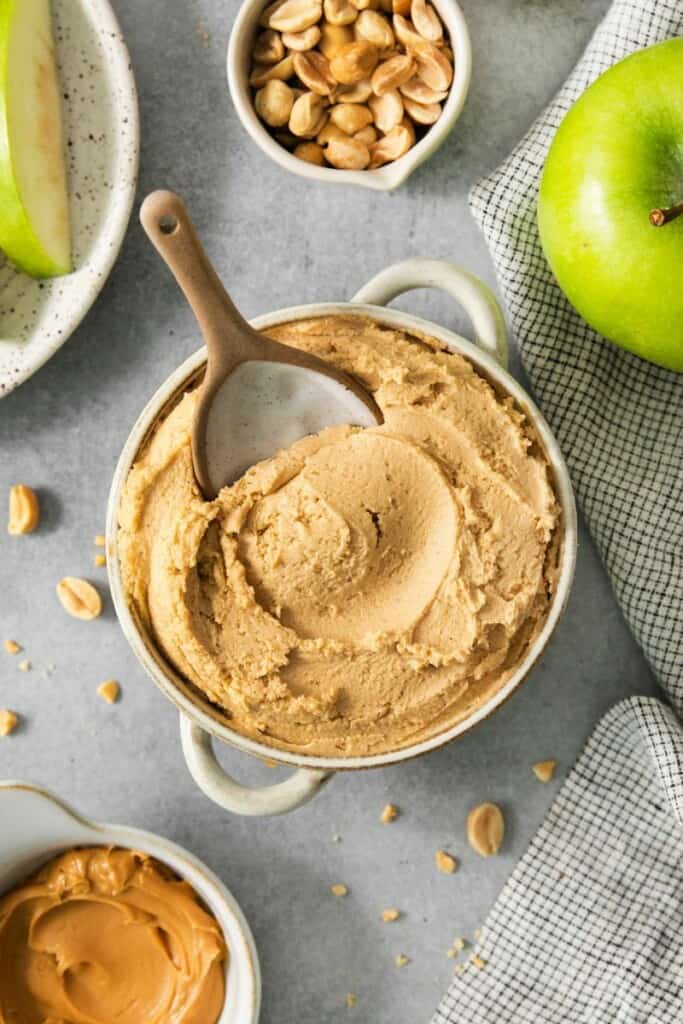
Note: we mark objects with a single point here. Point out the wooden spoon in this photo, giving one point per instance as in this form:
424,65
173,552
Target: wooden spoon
258,396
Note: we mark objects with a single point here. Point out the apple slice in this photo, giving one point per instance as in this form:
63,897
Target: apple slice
34,204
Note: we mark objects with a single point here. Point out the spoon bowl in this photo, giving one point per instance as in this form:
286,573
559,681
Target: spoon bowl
258,395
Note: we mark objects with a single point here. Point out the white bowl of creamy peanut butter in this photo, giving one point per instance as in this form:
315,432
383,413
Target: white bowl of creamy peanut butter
105,922
364,596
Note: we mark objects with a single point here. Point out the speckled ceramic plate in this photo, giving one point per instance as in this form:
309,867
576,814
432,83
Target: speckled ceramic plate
102,135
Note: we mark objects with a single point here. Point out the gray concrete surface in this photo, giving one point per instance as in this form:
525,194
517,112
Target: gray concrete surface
278,240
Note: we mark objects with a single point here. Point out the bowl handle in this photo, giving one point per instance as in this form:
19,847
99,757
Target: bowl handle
473,295
220,787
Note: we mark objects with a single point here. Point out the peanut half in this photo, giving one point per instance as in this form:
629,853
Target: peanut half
485,829
354,62
24,510
79,598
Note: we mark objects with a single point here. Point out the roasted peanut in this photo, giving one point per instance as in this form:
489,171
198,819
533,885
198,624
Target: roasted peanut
366,135
354,62
302,41
366,5
405,32
296,15
485,829
311,152
401,7
79,598
418,91
387,110
347,154
24,510
426,21
433,66
391,74
358,93
333,38
268,11
340,12
329,132
308,115
350,117
274,103
283,70
269,48
392,146
422,113
314,71
375,28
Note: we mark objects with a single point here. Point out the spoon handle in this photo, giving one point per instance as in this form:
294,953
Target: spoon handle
229,338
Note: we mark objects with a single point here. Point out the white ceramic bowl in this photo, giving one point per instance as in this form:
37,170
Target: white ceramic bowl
36,825
102,134
199,719
384,178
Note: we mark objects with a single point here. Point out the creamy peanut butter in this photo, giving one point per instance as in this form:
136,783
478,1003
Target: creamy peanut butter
101,935
363,589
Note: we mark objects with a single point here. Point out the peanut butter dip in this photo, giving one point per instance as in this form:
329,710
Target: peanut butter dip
363,589
101,935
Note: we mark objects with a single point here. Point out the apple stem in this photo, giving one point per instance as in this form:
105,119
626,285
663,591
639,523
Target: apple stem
660,217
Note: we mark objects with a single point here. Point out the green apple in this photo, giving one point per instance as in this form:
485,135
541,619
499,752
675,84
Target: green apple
34,206
614,172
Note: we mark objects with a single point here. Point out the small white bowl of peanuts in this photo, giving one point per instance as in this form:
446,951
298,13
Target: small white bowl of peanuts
349,91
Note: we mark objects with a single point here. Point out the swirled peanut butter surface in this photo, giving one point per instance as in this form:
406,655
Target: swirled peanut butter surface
108,936
363,589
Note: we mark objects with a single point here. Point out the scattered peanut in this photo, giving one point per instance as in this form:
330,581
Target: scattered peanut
389,814
390,915
100,541
11,646
445,862
459,944
8,722
401,960
109,691
485,829
25,665
100,561
544,770
350,1000
79,598
477,962
339,889
24,510
318,59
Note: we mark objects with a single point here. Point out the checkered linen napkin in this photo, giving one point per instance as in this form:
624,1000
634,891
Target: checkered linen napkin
589,928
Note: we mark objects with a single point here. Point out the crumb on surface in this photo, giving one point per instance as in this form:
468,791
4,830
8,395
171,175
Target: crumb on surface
391,914
336,838
25,665
401,960
8,722
544,770
99,561
11,646
459,968
477,933
350,1000
445,863
390,813
477,961
100,540
339,889
109,691
459,943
